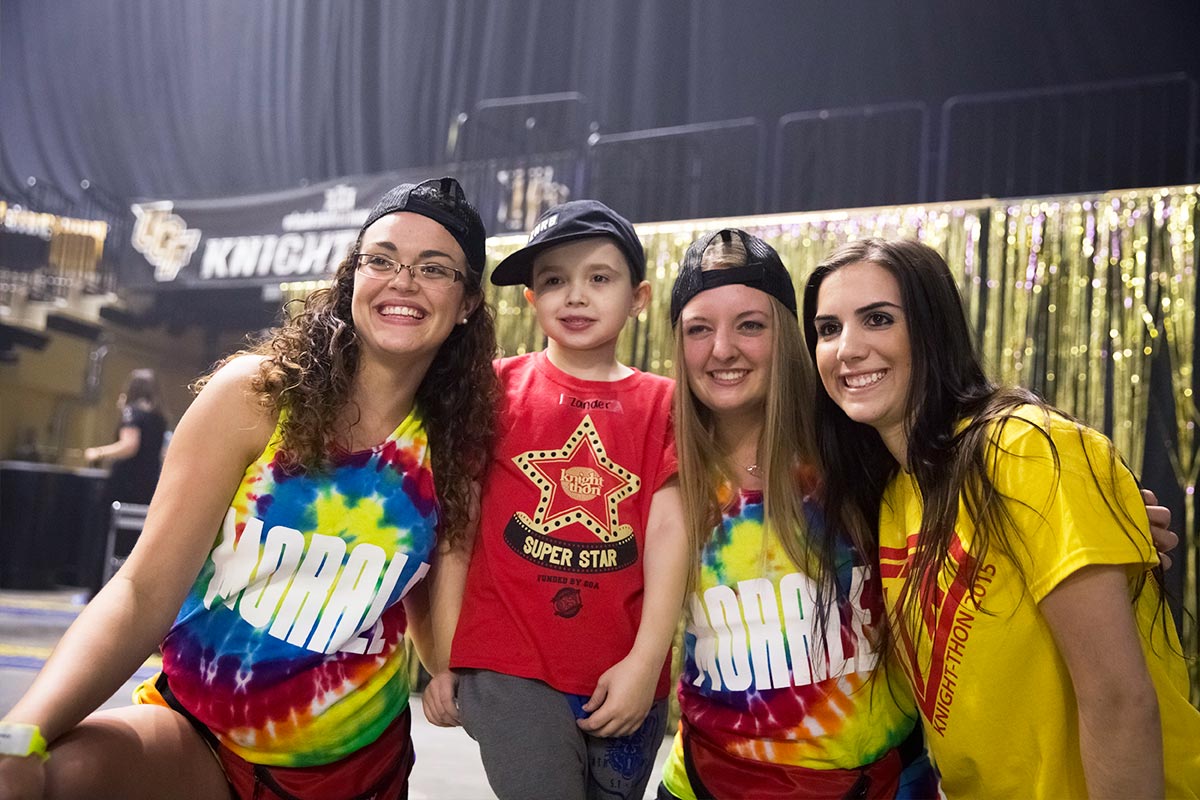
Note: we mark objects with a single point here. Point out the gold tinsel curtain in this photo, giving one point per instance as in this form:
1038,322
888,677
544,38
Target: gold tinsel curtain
1072,297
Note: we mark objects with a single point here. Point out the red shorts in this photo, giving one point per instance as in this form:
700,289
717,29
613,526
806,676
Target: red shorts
378,771
716,774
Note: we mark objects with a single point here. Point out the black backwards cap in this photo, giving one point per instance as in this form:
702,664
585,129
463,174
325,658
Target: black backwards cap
566,222
763,270
443,201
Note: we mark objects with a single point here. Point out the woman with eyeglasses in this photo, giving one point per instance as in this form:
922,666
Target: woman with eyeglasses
300,505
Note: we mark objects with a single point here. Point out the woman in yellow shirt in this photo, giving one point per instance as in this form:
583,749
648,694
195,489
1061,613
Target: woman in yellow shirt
1015,555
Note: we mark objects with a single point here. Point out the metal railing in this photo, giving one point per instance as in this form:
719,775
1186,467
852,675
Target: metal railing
851,157
681,172
529,125
1063,139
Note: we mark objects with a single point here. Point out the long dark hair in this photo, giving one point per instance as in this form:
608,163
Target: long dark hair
953,418
310,364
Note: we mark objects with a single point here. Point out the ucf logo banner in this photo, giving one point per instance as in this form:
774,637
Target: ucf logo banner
263,239
302,234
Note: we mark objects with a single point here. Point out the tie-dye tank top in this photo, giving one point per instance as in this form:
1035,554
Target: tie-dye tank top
290,644
757,685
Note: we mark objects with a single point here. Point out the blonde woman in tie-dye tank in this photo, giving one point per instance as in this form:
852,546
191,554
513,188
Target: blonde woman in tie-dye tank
781,694
303,498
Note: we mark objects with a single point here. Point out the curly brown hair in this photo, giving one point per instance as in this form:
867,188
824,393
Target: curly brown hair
309,366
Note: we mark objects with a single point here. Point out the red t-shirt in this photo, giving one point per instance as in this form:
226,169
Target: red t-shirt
554,590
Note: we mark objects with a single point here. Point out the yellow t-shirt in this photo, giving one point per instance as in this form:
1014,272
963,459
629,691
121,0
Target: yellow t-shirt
995,695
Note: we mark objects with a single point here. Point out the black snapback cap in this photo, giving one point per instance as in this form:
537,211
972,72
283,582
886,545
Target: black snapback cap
763,269
444,202
567,222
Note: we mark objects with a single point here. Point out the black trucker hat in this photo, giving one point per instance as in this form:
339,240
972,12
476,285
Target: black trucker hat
762,270
443,201
566,222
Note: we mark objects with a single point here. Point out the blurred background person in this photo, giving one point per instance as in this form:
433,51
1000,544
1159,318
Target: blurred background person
136,455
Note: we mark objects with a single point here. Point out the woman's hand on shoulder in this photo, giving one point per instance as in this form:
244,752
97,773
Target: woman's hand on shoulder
1165,540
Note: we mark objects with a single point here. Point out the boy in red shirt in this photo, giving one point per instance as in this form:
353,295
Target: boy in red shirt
576,580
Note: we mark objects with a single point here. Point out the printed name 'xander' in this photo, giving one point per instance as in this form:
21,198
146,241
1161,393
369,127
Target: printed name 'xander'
591,405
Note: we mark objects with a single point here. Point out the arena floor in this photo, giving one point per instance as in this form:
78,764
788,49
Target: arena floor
447,767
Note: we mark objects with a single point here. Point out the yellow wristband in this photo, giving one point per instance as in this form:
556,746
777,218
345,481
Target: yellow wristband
19,739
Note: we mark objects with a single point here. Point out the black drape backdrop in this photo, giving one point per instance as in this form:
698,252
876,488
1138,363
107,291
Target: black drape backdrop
180,98
203,98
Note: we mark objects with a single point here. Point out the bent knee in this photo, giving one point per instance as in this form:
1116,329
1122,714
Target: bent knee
138,751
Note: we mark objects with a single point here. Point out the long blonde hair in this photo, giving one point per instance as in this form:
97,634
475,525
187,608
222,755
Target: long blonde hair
785,447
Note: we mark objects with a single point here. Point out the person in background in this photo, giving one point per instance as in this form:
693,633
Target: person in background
575,582
1015,554
280,568
782,694
136,455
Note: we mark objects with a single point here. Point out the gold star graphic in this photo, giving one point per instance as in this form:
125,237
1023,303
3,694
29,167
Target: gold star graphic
582,456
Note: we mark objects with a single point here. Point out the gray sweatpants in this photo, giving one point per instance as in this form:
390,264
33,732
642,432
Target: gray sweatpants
532,748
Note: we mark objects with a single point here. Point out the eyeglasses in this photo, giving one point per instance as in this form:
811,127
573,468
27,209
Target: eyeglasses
373,265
